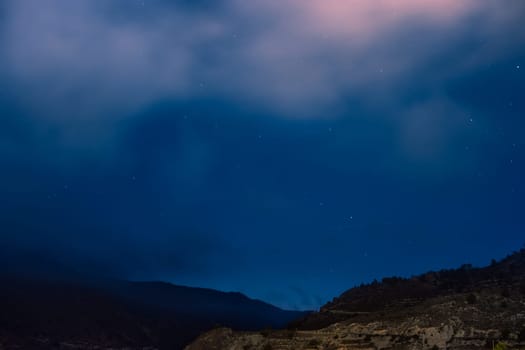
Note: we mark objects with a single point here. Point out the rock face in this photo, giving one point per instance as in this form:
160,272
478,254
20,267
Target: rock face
466,308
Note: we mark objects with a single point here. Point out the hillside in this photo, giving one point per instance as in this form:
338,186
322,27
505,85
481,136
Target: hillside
59,314
464,308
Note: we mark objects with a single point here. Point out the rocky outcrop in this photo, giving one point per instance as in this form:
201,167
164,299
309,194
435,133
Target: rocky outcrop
459,309
410,334
373,336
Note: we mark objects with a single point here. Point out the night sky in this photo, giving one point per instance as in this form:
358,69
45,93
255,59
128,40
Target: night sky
285,149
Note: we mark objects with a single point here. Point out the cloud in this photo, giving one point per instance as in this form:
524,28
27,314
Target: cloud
82,59
75,59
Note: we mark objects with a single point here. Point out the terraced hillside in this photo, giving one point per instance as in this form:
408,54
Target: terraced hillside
465,308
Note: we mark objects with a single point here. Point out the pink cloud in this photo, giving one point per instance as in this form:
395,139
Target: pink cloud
359,19
365,18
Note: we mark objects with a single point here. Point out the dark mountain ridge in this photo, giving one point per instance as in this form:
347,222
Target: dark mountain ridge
39,313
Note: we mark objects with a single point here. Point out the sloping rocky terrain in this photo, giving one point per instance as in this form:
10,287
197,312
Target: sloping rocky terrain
465,308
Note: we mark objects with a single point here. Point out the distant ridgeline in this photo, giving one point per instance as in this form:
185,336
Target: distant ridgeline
63,314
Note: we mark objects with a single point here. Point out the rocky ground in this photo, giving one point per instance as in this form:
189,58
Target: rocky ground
459,309
428,330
